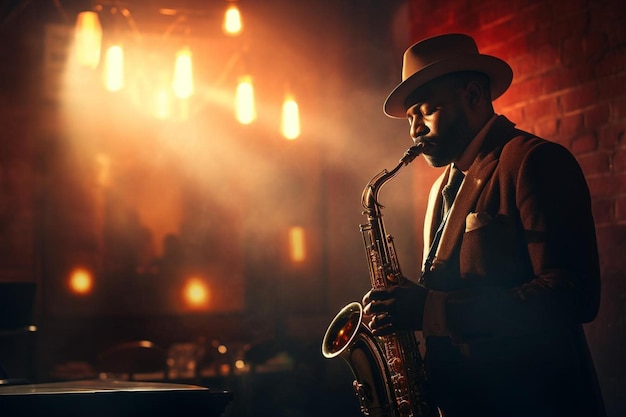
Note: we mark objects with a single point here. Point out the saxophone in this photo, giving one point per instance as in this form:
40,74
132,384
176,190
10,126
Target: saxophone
388,370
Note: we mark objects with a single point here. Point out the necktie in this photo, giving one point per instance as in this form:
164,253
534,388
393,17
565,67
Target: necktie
448,193
452,188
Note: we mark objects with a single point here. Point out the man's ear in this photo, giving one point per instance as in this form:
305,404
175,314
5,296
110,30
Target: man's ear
474,94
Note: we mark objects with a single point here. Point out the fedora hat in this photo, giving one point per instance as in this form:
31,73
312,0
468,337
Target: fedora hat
440,55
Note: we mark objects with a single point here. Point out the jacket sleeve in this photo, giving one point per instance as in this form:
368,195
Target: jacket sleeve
535,265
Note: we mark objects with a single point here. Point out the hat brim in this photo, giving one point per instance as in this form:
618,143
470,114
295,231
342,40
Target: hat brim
499,72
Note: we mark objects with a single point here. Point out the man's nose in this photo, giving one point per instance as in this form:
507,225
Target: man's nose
418,128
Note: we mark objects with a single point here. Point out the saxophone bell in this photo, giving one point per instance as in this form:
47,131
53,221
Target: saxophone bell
349,338
342,330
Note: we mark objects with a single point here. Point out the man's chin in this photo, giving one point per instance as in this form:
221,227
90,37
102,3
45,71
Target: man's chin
436,161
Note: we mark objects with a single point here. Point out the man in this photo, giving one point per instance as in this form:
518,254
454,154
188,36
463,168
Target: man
513,273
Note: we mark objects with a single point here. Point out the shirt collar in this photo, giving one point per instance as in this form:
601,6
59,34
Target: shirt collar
470,152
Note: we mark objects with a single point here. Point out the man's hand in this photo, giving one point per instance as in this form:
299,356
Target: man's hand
395,308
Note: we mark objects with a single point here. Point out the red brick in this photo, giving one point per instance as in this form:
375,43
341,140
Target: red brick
605,18
523,66
578,98
514,114
611,63
596,116
620,182
602,186
546,128
541,109
584,144
571,50
620,208
562,78
594,163
616,33
611,134
612,86
532,87
538,37
594,46
534,15
509,47
618,110
568,24
548,58
496,11
603,211
513,96
611,241
564,9
570,125
505,103
584,48
619,160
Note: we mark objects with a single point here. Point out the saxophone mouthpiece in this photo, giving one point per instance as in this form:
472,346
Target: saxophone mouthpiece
413,152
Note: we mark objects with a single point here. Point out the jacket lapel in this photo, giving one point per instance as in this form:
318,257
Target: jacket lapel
433,210
475,180
477,177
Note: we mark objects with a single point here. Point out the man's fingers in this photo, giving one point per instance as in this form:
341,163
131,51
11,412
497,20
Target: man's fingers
381,324
378,295
378,307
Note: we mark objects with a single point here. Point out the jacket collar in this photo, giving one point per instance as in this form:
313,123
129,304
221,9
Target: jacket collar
477,176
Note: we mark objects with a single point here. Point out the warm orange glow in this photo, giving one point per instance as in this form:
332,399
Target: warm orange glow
103,170
81,281
222,349
290,122
162,105
232,21
183,74
297,244
196,293
88,38
167,12
224,369
114,68
245,109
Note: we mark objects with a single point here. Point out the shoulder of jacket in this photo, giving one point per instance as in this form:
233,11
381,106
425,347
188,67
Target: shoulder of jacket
524,144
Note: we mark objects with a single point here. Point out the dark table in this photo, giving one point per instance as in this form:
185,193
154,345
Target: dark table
97,398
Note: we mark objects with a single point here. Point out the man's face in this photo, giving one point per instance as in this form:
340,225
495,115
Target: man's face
437,116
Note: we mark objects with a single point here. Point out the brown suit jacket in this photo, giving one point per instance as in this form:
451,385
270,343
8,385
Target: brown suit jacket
519,264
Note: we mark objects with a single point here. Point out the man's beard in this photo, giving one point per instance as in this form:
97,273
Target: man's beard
443,153
437,161
449,146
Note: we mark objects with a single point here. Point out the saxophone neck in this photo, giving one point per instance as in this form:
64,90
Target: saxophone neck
370,193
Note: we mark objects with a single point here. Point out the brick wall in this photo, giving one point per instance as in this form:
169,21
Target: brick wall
569,61
18,181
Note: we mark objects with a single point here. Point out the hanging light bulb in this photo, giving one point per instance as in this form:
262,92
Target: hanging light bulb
232,21
114,68
88,38
245,109
297,244
183,74
290,123
81,281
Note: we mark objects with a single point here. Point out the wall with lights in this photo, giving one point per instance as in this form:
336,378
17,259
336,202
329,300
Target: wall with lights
120,168
192,106
108,49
